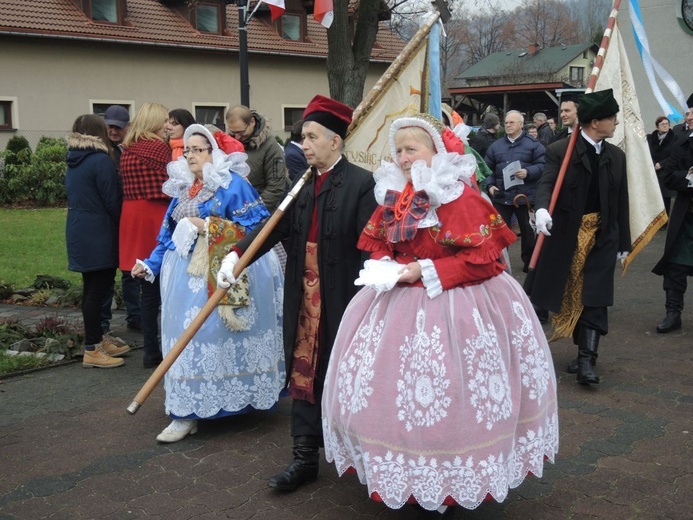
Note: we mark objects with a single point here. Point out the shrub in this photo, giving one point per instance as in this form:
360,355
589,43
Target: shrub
11,331
13,151
45,142
41,180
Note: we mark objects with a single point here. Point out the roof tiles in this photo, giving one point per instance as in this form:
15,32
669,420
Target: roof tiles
151,22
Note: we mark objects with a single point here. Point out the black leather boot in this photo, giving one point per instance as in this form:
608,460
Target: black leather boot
587,356
302,470
572,367
674,306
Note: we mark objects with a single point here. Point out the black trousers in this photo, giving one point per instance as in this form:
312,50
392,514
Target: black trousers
95,287
675,277
526,232
306,418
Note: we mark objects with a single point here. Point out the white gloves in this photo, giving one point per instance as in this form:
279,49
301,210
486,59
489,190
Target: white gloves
622,256
382,275
544,221
225,275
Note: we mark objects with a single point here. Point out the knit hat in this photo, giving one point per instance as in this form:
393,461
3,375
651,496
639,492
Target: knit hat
490,120
331,114
597,105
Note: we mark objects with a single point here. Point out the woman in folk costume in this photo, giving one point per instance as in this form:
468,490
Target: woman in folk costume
440,388
236,360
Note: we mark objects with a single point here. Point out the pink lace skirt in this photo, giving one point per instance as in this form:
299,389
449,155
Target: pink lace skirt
443,400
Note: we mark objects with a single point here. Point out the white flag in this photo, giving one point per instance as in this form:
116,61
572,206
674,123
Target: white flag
647,212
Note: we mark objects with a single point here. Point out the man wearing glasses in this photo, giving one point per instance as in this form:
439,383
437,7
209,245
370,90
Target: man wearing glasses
268,173
590,231
524,155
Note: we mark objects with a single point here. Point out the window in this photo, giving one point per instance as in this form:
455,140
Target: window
577,74
291,115
584,55
208,18
99,108
291,27
5,115
210,115
104,11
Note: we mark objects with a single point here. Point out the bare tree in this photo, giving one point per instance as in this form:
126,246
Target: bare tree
546,23
592,16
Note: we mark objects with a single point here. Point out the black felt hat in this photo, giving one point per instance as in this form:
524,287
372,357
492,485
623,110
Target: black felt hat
689,101
597,105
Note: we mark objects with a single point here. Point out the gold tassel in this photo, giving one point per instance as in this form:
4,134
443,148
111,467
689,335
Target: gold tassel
199,261
233,322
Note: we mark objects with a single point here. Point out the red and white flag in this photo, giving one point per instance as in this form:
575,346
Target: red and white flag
323,12
277,7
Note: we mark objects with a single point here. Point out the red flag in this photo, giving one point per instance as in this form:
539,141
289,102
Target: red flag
322,12
276,8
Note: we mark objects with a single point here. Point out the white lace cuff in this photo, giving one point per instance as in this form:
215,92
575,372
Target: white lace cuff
150,275
184,237
430,278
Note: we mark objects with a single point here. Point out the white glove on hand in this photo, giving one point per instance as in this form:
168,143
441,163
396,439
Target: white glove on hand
622,256
543,221
225,275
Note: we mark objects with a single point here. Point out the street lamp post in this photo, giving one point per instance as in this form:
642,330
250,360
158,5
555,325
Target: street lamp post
243,51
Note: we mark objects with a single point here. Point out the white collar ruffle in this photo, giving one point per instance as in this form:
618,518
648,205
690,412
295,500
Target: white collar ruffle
443,182
214,175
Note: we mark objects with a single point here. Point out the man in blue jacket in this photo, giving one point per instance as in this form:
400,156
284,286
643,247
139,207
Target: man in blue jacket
516,145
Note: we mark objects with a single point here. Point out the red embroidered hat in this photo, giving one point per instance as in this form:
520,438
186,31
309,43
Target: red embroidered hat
331,114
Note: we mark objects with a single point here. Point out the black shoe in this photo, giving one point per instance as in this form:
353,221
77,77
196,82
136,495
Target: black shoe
135,325
542,314
587,356
572,367
152,363
670,323
303,469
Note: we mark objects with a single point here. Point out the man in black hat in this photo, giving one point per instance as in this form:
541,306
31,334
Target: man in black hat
574,278
683,130
322,228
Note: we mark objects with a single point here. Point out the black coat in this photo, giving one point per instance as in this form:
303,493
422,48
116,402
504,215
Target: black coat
660,150
94,200
295,160
675,170
556,255
345,203
481,141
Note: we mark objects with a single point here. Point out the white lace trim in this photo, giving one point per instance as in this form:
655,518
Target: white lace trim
443,182
214,175
184,237
430,278
149,276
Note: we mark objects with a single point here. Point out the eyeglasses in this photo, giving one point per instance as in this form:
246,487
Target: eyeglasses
241,133
512,123
195,151
663,123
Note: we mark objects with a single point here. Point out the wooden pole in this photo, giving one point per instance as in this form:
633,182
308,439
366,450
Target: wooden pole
214,300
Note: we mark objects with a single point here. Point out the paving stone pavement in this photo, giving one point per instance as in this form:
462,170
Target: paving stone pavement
69,450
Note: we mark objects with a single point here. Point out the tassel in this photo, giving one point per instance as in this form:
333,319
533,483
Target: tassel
199,262
233,322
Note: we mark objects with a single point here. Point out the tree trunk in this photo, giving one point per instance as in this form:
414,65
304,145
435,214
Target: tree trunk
347,58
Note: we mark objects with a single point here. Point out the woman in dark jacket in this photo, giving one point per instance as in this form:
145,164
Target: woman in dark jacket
660,142
93,198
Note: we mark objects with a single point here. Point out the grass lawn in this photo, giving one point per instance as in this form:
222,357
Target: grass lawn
32,241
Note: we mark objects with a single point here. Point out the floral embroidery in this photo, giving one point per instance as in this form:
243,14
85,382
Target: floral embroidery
356,369
488,382
534,364
422,399
396,476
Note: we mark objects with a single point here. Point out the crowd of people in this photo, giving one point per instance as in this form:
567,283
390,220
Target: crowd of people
419,407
